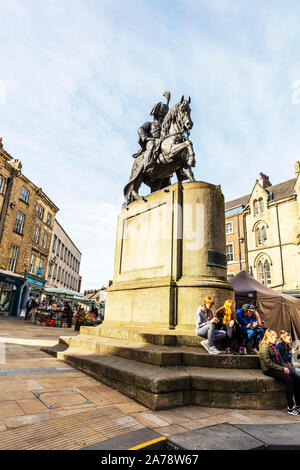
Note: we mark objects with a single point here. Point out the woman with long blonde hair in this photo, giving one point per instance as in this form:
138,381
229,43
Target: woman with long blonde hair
206,326
273,365
228,322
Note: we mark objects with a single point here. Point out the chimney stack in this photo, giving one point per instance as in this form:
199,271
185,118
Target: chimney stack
264,180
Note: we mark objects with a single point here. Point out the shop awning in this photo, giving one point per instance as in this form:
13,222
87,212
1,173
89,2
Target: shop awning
62,293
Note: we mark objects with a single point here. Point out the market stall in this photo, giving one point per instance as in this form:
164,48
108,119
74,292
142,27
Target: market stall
52,310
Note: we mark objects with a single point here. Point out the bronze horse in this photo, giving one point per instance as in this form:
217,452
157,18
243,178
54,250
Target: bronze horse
174,153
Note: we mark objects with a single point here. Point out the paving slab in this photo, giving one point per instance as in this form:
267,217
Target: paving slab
219,437
126,441
275,437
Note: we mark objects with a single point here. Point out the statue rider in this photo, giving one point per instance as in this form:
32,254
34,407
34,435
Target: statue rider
149,133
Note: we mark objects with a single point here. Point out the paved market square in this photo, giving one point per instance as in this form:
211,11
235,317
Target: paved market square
46,404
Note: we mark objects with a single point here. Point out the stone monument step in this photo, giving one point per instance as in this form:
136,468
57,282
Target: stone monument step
164,387
146,334
162,356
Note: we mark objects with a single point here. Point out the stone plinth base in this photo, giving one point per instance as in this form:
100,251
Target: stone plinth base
170,254
165,369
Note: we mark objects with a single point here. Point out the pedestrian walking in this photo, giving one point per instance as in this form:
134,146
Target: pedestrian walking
69,312
30,304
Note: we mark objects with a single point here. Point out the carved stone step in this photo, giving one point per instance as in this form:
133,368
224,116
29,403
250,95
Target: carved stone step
164,387
162,356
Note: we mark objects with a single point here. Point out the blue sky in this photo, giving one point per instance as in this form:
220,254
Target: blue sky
78,77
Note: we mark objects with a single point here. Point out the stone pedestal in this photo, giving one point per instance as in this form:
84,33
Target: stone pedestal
170,254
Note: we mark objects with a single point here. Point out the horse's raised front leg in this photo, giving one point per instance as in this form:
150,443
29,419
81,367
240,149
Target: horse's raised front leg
188,173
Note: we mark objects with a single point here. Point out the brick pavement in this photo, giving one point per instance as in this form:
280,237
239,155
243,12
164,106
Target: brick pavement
46,404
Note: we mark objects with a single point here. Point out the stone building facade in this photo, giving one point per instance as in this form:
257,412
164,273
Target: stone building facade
64,261
272,233
26,223
235,235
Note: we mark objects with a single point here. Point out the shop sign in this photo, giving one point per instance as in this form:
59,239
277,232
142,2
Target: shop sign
34,281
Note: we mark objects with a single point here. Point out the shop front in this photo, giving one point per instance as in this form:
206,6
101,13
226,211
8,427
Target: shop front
32,287
10,293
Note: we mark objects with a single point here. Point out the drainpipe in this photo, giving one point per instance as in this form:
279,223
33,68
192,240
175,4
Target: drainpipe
3,213
239,235
280,247
246,242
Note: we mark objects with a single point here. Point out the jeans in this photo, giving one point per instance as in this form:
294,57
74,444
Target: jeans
28,313
294,370
234,332
256,334
209,331
291,385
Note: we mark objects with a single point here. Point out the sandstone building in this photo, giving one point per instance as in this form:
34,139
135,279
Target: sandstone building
235,235
64,261
271,233
26,223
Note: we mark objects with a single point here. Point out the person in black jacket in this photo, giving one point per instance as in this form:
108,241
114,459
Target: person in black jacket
30,304
68,311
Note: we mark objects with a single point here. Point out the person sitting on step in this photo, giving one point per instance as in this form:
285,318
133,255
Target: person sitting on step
251,324
284,345
273,365
206,326
228,322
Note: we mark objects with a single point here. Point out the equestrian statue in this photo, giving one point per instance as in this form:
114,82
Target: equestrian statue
165,148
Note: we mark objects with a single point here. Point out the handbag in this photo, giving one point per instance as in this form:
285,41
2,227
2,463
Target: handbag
23,313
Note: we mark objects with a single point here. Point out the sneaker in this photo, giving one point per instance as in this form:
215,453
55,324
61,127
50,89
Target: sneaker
205,345
252,352
293,411
213,350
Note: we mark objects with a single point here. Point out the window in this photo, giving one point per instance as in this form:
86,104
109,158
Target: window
229,252
24,195
62,251
228,228
1,184
45,241
261,275
264,235
37,235
32,264
41,212
63,276
267,273
54,271
256,207
58,247
58,274
258,237
41,267
264,272
262,206
54,243
49,219
13,256
50,270
20,223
